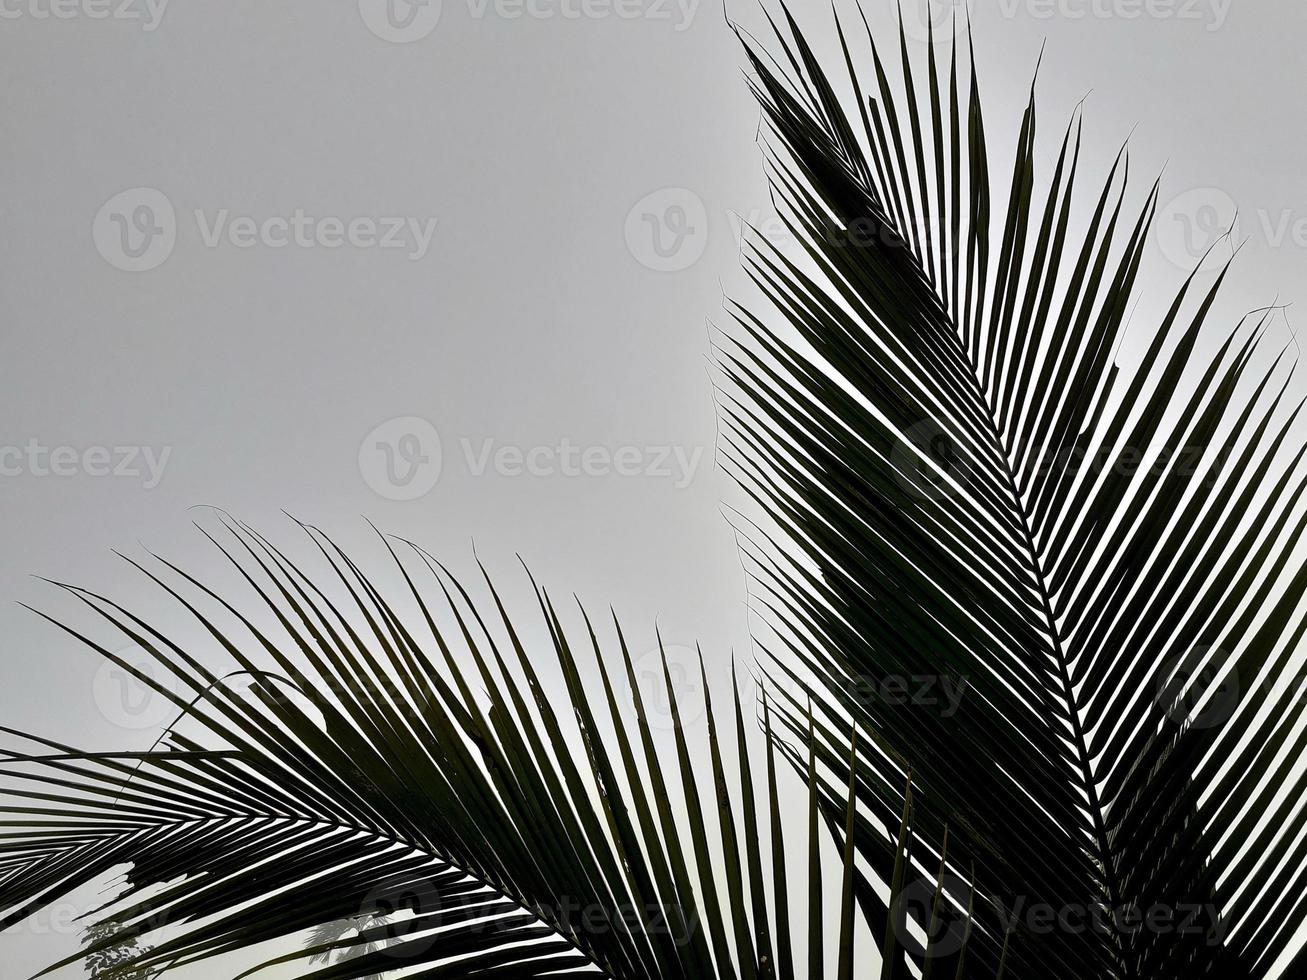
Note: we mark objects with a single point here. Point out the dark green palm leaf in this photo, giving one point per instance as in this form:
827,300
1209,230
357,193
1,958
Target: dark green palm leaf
402,768
945,447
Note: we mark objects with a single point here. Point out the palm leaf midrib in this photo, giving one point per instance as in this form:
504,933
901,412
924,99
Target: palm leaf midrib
1028,549
974,376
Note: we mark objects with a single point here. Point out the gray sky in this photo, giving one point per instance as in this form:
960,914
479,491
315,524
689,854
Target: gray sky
247,245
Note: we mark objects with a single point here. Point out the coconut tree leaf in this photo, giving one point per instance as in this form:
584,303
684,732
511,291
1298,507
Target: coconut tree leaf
414,781
968,468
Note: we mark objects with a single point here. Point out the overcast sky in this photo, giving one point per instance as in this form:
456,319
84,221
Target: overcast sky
452,268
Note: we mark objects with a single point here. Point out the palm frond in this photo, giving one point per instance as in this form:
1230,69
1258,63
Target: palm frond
406,768
961,479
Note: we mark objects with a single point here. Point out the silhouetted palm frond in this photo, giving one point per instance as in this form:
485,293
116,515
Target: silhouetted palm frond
1036,610
406,767
965,483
